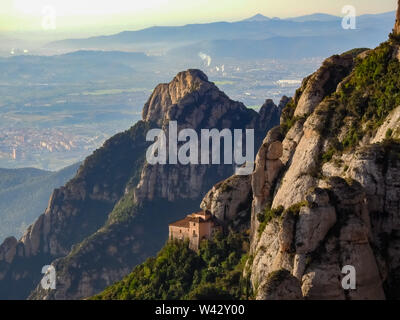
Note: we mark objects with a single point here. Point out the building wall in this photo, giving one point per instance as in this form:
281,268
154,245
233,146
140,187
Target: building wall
195,233
205,230
178,233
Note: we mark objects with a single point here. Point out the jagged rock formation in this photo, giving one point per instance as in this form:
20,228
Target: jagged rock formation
270,112
115,212
194,102
336,191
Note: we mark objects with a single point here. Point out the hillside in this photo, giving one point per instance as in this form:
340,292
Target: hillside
180,273
21,186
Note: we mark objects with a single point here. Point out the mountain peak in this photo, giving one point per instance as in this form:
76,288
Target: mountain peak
193,73
257,18
166,95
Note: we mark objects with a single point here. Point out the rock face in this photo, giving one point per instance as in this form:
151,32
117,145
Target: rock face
280,285
391,127
340,207
396,29
322,83
113,214
194,102
229,200
270,112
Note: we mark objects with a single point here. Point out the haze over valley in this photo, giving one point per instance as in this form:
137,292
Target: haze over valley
61,100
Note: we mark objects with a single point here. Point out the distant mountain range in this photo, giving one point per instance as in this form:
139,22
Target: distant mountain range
322,17
248,38
24,194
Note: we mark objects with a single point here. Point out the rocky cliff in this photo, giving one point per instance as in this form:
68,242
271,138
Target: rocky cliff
325,190
326,186
115,212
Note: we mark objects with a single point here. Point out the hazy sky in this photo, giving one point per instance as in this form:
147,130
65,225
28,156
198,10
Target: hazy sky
27,15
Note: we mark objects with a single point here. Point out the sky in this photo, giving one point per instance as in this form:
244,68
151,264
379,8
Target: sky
113,15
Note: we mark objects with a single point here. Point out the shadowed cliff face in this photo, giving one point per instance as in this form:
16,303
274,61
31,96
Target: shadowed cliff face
111,216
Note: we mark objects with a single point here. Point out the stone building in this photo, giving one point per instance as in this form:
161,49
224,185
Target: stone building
195,227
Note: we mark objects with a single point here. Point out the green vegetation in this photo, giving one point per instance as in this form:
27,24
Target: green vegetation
266,217
327,156
275,278
355,52
370,93
287,118
269,214
123,210
295,209
177,272
363,101
389,133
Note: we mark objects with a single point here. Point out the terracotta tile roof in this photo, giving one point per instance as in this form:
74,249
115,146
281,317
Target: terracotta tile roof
184,223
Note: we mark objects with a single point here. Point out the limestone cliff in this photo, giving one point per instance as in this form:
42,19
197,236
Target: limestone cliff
326,186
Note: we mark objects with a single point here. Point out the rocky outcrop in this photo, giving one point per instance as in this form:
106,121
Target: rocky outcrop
267,168
270,113
323,82
165,98
338,205
229,200
390,128
195,103
8,250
